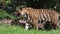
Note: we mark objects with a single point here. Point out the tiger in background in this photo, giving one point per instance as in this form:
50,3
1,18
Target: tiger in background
49,15
42,15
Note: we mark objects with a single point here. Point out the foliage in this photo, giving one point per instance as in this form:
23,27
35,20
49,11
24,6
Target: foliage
4,14
20,30
11,5
0,1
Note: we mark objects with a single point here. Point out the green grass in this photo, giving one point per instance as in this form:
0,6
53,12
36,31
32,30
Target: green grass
19,30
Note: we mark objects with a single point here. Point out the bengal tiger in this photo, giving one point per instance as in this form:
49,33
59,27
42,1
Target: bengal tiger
49,15
52,16
40,14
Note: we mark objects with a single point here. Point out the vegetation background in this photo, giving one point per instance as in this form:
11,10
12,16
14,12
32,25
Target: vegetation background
8,7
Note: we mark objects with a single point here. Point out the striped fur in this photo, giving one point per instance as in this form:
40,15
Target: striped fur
40,14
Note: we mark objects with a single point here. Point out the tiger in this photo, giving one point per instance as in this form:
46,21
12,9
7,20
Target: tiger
51,16
40,14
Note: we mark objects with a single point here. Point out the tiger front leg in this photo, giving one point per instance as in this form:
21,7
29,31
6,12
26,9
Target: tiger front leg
35,24
26,26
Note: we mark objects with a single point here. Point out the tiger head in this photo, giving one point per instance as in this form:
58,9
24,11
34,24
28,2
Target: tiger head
20,11
23,11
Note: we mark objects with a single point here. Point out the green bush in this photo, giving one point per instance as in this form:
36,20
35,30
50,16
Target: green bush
4,14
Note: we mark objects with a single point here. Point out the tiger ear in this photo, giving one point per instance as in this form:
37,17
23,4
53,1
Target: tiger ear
21,9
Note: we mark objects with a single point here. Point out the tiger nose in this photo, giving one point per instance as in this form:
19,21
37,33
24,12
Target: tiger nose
17,14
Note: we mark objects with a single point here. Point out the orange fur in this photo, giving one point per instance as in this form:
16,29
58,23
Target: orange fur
35,14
